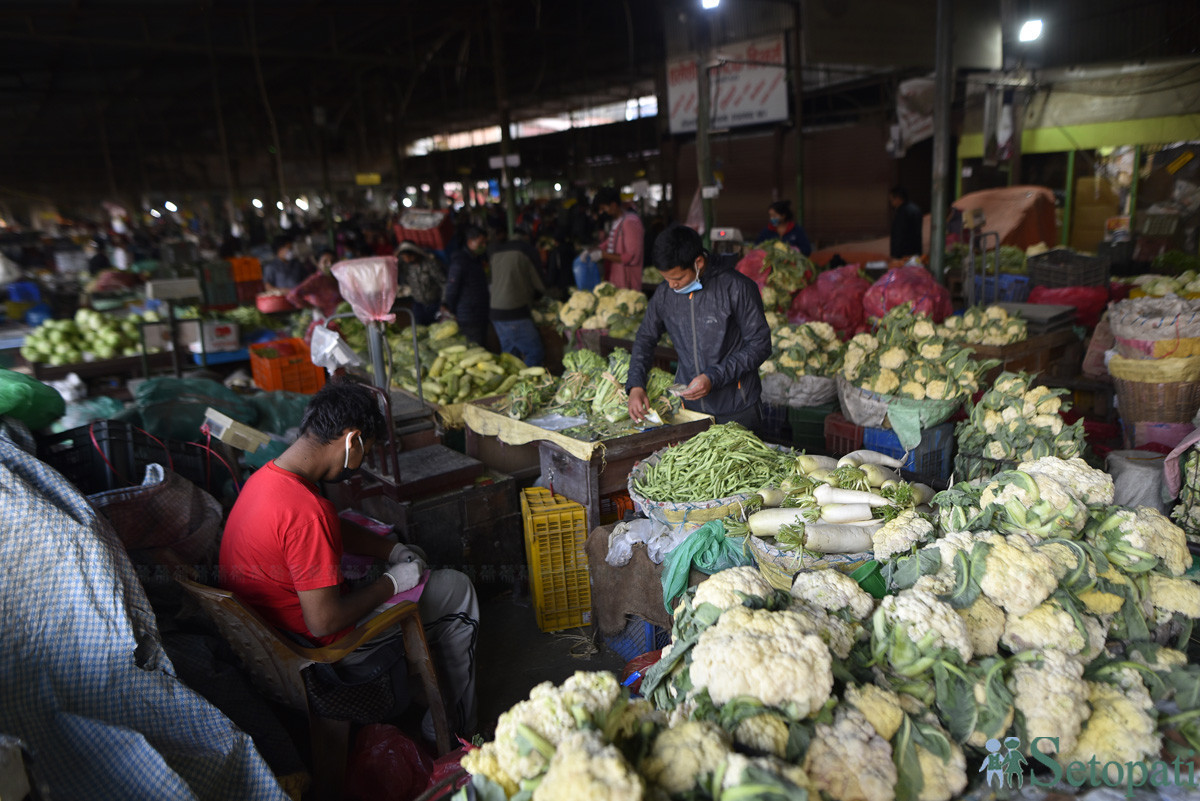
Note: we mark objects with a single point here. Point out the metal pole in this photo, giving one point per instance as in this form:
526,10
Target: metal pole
1068,201
798,102
703,151
505,112
943,91
1133,184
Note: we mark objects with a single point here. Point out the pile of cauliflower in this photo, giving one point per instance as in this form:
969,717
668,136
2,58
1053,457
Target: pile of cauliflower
907,358
805,349
984,326
607,307
1028,607
1015,421
1185,285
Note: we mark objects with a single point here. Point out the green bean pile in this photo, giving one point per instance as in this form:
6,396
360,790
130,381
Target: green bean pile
722,461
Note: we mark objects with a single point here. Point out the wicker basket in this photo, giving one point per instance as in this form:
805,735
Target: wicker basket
672,514
780,567
1158,403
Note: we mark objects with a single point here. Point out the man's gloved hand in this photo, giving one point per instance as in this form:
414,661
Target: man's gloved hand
405,575
407,553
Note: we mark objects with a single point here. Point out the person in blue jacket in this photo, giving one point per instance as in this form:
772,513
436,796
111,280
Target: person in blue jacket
781,224
714,315
466,297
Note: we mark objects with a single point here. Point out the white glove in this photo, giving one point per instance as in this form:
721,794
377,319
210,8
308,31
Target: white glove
406,553
405,575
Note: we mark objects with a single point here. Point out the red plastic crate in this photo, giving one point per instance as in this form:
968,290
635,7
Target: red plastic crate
285,364
842,436
614,506
432,233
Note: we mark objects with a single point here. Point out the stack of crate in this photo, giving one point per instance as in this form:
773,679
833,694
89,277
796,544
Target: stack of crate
555,535
247,278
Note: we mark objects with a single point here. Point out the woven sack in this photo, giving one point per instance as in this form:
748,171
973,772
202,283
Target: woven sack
1155,371
812,390
1169,318
870,409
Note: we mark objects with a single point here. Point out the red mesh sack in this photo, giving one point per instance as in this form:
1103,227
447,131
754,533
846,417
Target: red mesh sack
836,298
386,764
908,284
753,266
1089,301
639,665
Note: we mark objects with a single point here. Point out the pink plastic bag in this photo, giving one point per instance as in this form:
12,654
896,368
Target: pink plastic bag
908,284
1089,301
369,285
836,298
443,768
386,764
753,266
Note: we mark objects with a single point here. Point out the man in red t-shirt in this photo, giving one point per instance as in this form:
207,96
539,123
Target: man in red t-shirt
282,552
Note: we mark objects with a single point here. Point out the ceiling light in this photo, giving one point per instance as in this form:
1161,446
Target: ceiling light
256,203
424,187
407,202
154,213
279,205
558,187
301,204
169,206
1031,30
709,5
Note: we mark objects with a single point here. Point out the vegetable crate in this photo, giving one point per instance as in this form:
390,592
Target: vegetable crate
774,426
555,535
808,426
111,454
932,460
1062,267
637,638
285,364
1006,289
245,268
841,436
614,506
428,228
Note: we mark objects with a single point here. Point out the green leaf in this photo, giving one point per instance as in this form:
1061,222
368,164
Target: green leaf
966,582
910,781
955,697
903,572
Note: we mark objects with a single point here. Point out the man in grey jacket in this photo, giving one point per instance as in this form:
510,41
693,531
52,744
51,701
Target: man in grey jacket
714,315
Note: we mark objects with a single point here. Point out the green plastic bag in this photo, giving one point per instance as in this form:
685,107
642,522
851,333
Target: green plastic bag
29,400
278,411
708,550
174,407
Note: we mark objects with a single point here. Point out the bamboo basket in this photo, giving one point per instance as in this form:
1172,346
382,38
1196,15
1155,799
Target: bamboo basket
1175,402
780,567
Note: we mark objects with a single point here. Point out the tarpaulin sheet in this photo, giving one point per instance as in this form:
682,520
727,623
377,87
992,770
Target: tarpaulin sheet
1021,215
86,684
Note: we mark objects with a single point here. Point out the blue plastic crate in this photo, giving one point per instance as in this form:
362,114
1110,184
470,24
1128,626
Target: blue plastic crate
931,461
1008,289
637,638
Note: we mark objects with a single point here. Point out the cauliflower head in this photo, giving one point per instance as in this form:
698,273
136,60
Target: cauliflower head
1048,626
942,779
683,755
742,770
880,706
836,632
900,534
1169,595
585,767
922,616
1128,535
848,760
726,588
1094,487
1122,727
766,655
1016,577
893,358
833,591
763,734
886,382
1052,696
985,625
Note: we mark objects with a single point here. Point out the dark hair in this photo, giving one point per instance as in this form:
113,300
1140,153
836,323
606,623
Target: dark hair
606,195
473,232
339,405
280,241
677,246
900,192
783,208
330,251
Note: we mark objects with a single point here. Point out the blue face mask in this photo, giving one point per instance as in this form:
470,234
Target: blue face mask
695,286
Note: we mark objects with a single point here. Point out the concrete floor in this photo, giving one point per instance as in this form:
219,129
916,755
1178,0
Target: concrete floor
514,655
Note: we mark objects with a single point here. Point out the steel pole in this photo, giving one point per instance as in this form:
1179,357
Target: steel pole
944,91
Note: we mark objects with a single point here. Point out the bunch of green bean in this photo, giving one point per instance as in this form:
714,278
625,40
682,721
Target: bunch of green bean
722,461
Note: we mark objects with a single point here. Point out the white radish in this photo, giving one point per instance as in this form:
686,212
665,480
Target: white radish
846,513
839,538
821,475
771,496
825,495
807,463
878,474
922,494
768,522
889,484
859,458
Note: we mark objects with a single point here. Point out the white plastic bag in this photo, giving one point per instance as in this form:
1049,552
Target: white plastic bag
330,351
369,285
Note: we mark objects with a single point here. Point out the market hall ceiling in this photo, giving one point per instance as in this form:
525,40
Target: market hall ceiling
145,78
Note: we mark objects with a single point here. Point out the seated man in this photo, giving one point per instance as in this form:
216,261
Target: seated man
282,552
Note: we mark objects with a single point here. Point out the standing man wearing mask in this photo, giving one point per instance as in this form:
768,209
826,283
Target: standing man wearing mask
281,553
714,315
624,246
284,271
466,297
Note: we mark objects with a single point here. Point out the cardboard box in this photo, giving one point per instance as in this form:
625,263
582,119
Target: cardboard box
219,335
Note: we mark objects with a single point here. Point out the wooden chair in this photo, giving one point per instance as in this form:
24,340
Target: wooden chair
274,662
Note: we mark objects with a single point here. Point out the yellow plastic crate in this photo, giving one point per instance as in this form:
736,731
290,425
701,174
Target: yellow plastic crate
555,535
